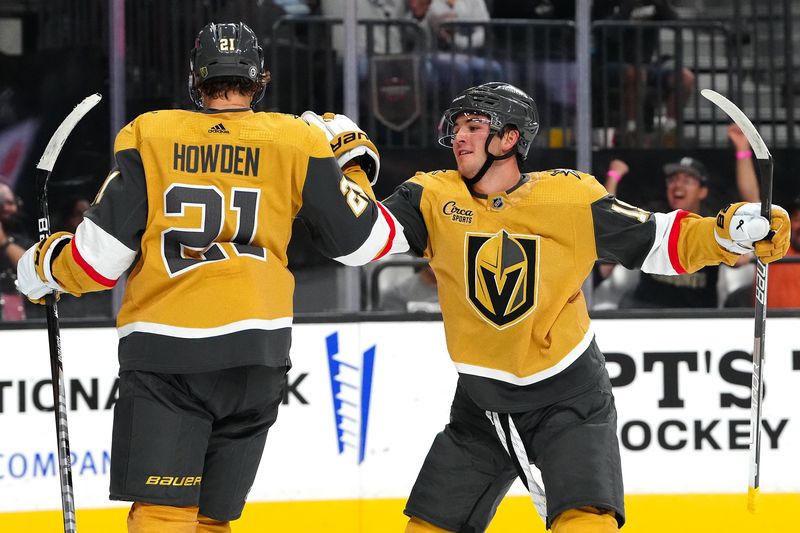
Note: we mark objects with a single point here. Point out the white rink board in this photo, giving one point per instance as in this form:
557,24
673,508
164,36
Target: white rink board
673,389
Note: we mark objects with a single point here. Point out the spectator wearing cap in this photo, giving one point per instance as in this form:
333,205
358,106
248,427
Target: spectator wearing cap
687,182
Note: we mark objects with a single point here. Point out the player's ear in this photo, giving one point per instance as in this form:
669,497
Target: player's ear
510,137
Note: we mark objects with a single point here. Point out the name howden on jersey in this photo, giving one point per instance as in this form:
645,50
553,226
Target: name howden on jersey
214,158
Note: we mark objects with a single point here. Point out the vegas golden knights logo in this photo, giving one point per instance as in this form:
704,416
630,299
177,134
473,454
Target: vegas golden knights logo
502,273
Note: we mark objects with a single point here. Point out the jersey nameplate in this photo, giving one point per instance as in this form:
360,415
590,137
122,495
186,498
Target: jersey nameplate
216,158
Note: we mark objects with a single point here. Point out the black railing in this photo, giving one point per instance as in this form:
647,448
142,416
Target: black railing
745,50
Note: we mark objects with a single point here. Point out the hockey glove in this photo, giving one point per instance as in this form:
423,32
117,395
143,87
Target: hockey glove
741,229
34,278
348,142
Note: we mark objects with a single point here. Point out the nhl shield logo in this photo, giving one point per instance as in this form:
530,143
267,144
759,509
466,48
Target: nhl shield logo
502,275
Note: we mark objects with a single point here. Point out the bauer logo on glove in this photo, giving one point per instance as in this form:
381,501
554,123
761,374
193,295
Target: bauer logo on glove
741,229
348,142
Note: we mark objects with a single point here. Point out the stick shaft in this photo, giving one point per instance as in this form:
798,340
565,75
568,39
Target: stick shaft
57,373
757,389
764,159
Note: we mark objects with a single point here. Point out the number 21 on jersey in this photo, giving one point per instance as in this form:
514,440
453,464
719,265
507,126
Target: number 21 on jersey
184,249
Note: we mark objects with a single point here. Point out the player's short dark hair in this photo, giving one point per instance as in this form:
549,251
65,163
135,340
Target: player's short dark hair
220,87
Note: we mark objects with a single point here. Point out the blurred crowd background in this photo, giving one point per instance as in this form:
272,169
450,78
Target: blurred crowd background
655,142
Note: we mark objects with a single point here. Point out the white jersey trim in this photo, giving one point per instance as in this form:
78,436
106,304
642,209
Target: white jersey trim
202,333
508,377
104,253
377,241
658,260
47,263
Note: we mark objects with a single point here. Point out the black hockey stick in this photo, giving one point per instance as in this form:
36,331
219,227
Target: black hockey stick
757,390
43,170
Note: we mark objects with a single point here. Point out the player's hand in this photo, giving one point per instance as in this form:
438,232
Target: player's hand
34,278
348,142
741,229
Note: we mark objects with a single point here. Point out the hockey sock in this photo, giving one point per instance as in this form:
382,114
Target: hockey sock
585,520
149,518
209,525
415,525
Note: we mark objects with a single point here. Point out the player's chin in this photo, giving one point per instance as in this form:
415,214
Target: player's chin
468,175
467,171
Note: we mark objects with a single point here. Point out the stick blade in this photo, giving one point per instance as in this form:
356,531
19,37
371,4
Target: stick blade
58,139
756,142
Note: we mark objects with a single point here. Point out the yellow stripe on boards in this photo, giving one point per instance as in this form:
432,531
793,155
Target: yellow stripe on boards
700,513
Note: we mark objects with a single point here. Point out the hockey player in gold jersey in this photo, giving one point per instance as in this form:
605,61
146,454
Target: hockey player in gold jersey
510,252
201,204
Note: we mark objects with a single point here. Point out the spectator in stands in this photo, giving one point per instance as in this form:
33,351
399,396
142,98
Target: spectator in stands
626,58
72,214
13,244
384,39
415,293
95,305
687,182
784,278
455,63
543,57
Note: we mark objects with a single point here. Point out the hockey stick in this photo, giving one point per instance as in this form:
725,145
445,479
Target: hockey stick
757,390
43,170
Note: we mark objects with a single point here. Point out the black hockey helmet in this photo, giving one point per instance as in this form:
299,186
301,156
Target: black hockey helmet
226,50
504,104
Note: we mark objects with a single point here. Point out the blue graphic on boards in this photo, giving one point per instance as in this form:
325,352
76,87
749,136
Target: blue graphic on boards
351,387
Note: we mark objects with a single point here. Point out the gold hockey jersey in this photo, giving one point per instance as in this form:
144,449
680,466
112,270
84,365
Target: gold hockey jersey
510,266
203,204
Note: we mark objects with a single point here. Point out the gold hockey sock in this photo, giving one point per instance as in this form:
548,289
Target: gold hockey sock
585,520
149,518
415,525
209,525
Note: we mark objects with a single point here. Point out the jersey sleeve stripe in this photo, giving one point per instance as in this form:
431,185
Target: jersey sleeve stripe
392,231
91,272
384,238
99,254
674,233
663,255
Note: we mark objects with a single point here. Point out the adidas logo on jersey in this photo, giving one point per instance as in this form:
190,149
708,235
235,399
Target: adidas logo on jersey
219,128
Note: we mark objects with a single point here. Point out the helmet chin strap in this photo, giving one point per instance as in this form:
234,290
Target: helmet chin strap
490,159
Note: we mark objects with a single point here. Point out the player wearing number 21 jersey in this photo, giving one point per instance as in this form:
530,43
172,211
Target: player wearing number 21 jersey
202,205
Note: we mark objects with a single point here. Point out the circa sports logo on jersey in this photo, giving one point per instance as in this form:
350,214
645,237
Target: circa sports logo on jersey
456,213
502,274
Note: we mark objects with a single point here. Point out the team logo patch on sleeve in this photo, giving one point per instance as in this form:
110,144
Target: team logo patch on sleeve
502,275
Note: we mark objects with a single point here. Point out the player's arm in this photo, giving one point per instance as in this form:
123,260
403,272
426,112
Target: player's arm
339,207
681,242
105,243
405,204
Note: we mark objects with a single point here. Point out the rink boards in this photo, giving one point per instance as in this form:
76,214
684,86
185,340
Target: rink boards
364,401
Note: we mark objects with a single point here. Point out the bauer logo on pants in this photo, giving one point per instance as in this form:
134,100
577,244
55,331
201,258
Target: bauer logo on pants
502,272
